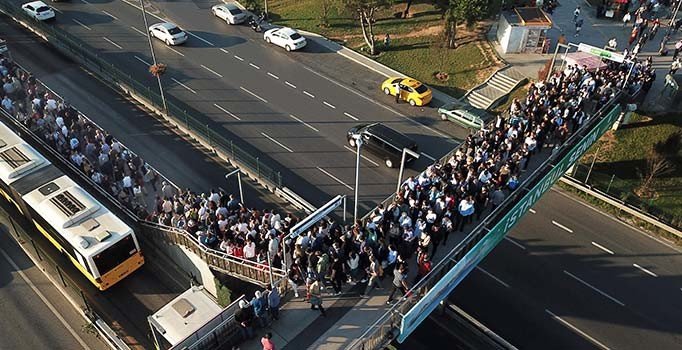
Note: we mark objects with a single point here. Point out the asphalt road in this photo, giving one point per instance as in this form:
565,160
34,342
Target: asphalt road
294,117
34,313
575,278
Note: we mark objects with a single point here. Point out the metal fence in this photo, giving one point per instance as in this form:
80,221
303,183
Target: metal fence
89,57
387,326
621,189
244,268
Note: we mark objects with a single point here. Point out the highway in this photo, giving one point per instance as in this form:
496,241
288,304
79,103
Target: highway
285,111
34,313
574,278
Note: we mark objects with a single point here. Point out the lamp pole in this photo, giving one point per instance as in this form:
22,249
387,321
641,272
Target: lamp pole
239,181
358,143
151,48
406,151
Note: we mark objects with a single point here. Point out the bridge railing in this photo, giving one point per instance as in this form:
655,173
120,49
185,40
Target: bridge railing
386,327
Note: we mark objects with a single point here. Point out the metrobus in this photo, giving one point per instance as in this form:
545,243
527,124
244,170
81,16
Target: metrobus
96,241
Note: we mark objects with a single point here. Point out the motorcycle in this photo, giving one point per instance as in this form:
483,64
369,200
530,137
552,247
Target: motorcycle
255,23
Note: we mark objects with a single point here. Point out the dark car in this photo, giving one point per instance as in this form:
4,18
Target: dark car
383,142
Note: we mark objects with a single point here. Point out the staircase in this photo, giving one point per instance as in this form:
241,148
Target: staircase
500,84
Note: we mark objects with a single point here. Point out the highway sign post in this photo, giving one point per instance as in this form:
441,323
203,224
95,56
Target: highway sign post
452,278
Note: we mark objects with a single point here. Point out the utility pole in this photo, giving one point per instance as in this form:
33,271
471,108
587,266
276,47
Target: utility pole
151,48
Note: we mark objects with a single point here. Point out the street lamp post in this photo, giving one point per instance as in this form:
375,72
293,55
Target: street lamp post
406,151
151,48
358,143
239,181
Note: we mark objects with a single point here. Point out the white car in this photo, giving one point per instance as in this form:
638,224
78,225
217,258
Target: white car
169,33
229,12
38,10
285,37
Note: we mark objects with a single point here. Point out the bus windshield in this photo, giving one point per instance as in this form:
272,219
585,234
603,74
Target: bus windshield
115,255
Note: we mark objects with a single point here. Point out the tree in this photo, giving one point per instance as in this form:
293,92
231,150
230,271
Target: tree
324,18
461,11
660,161
365,10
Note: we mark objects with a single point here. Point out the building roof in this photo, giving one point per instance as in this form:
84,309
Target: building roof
185,314
528,16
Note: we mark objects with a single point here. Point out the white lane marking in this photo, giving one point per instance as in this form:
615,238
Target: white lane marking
139,31
254,66
514,242
609,216
304,123
272,75
226,111
290,84
329,105
81,24
111,42
85,2
309,94
448,138
350,116
143,61
225,51
361,156
562,226
212,71
44,299
277,142
253,94
595,288
335,178
574,328
183,85
428,156
58,10
110,15
603,248
645,270
492,276
200,38
532,210
239,58
176,51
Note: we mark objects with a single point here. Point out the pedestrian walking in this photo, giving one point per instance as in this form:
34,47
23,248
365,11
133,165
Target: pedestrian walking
397,92
678,48
654,28
375,272
315,292
626,18
677,64
259,304
633,35
399,282
267,342
387,41
576,14
244,317
338,276
578,26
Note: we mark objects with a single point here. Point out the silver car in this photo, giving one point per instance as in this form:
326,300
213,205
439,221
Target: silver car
465,115
169,33
229,12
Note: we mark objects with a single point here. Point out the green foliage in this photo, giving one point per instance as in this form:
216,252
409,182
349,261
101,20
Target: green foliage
252,5
224,293
467,11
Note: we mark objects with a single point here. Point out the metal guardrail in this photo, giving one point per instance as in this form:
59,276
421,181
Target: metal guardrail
88,56
244,268
386,327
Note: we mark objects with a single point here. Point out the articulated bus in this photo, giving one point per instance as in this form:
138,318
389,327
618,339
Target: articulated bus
98,243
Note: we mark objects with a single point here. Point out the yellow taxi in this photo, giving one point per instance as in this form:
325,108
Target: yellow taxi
412,91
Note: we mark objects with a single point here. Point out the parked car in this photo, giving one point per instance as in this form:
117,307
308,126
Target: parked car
383,142
38,10
285,37
229,12
412,91
465,115
169,33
